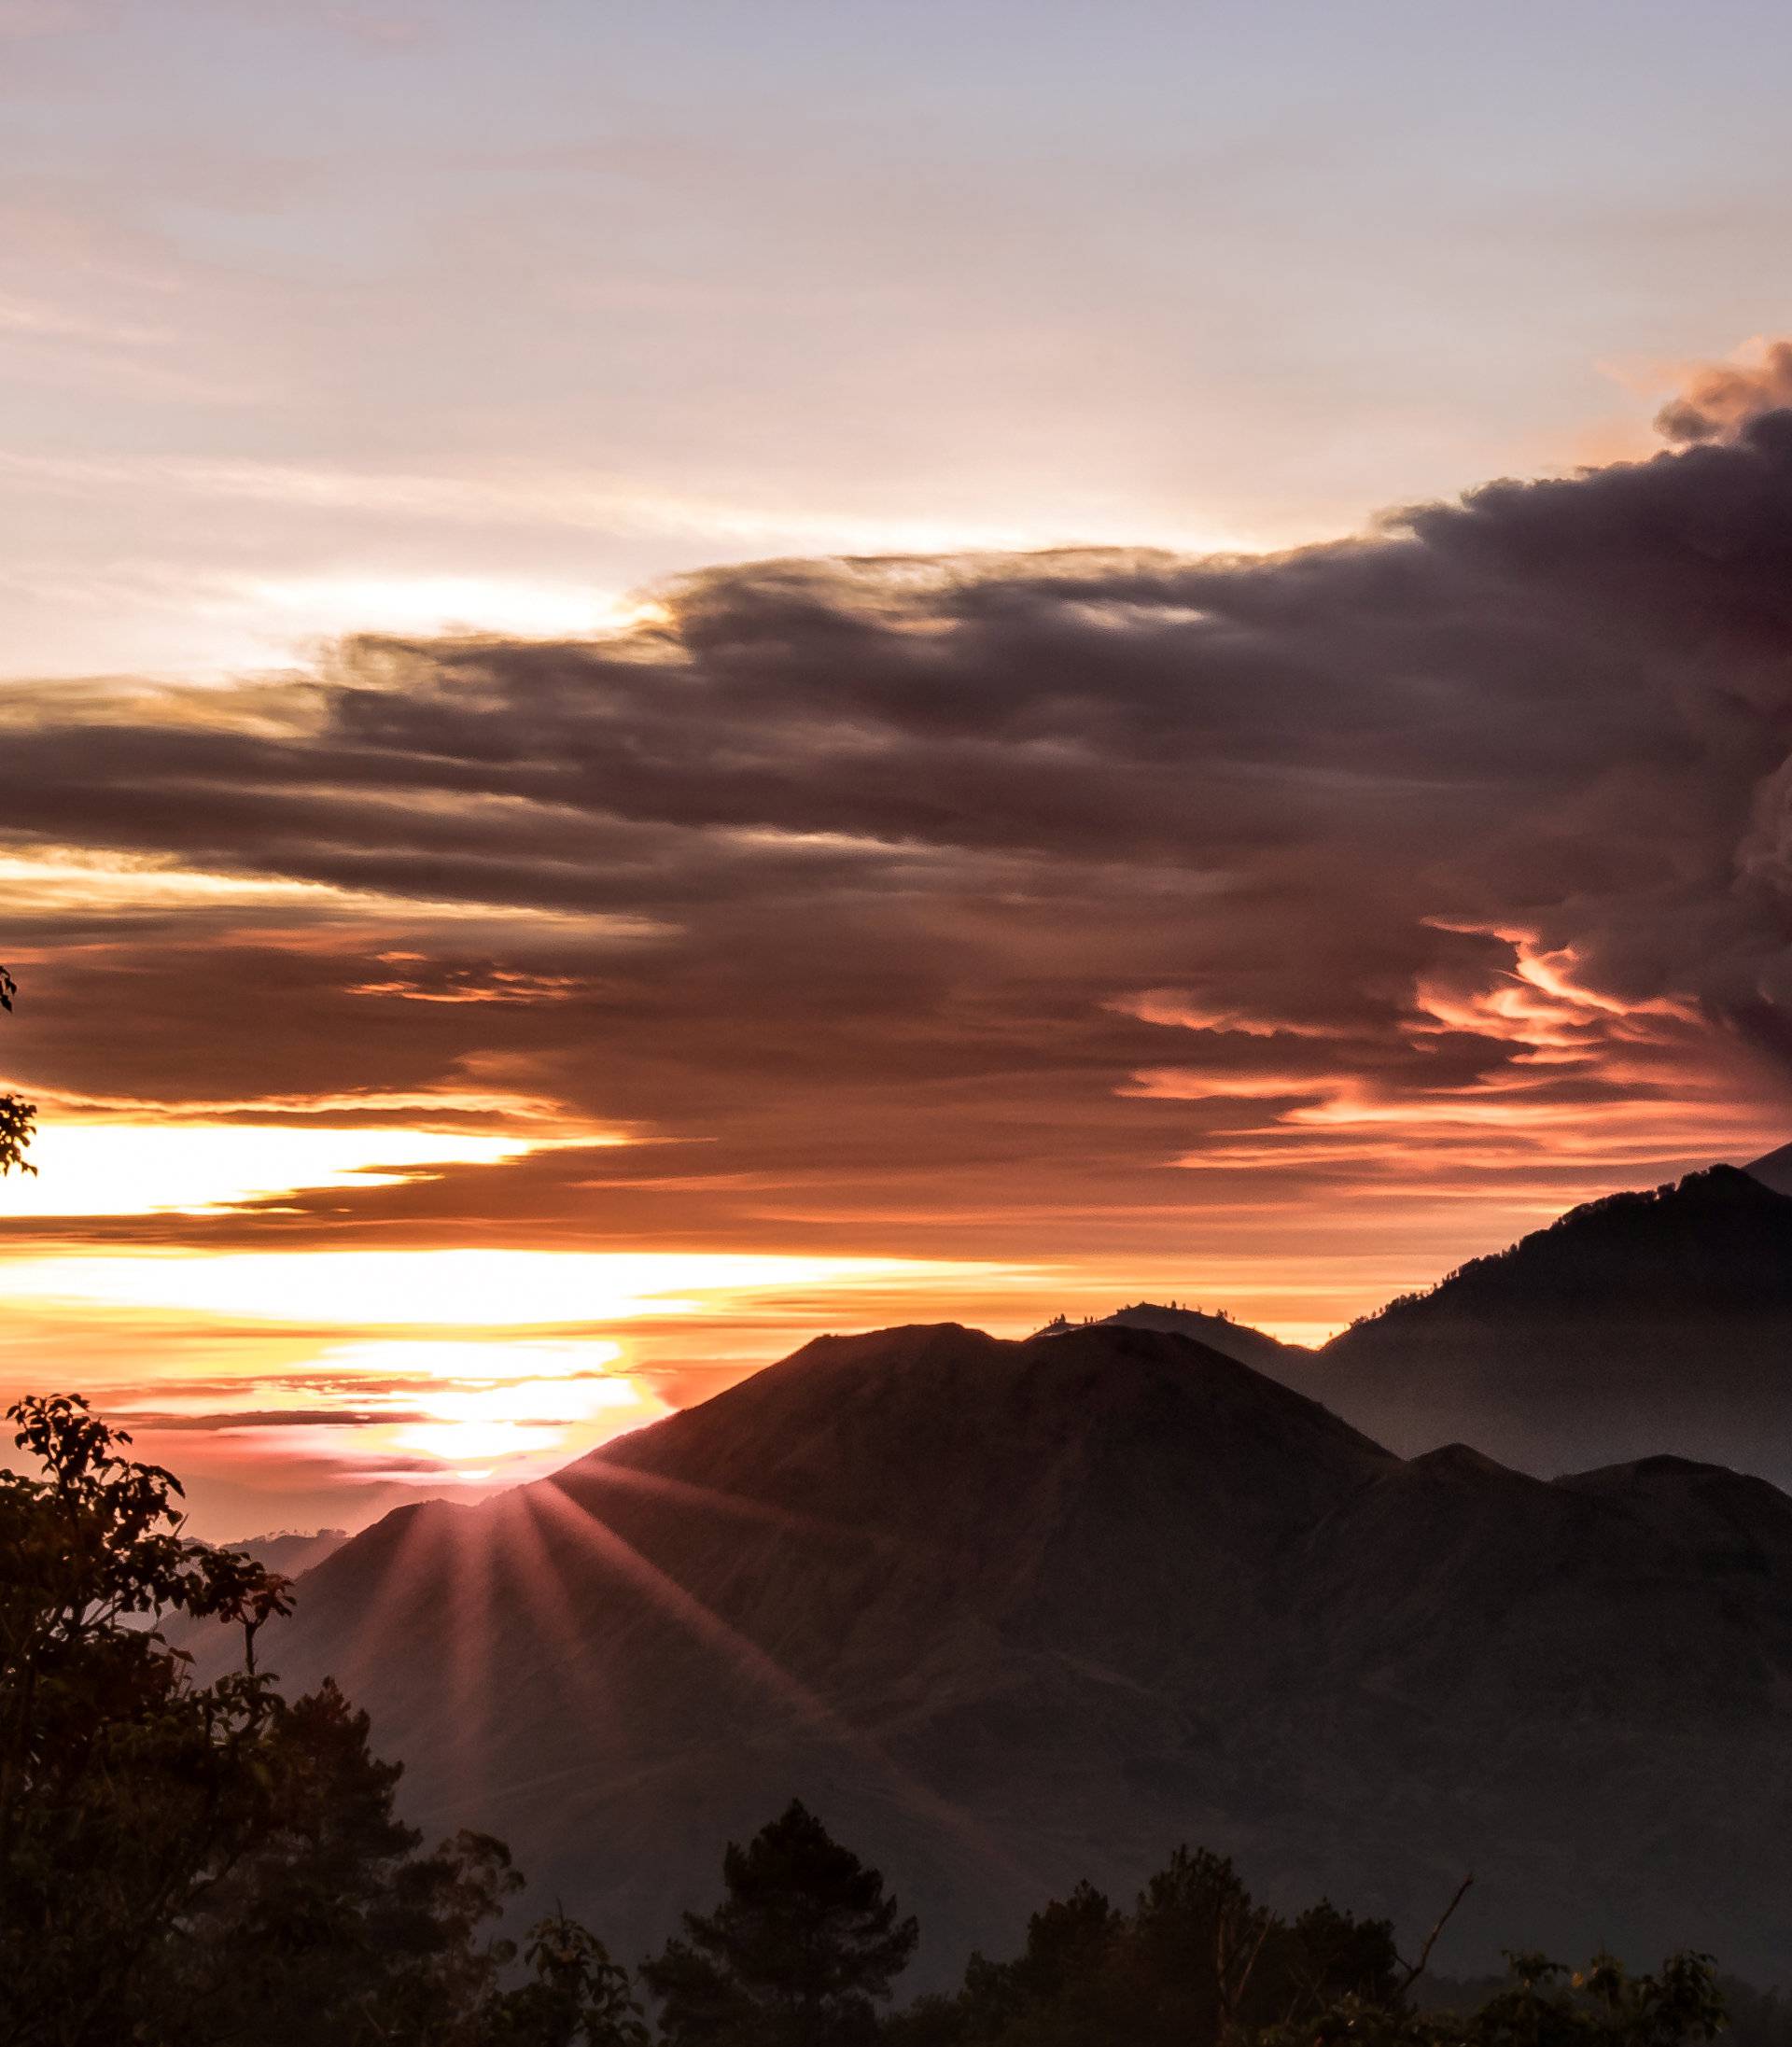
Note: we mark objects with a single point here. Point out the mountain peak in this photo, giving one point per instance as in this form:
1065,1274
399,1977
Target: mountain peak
1218,1332
911,1424
1464,1461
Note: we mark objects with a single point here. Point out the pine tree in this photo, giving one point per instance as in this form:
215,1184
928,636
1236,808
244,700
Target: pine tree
798,1953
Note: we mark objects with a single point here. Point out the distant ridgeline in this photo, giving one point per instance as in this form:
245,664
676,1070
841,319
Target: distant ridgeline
1643,1322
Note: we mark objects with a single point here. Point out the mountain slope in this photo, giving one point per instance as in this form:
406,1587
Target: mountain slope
1008,1614
1638,1323
1773,1170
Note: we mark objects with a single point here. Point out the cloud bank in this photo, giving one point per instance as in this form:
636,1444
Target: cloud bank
1048,905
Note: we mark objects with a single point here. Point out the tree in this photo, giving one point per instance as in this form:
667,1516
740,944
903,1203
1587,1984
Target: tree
212,1864
1065,1985
122,1785
1197,1963
330,1925
579,1998
1229,1965
1544,2005
798,1953
17,1119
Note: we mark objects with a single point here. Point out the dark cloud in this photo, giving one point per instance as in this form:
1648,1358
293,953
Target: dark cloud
909,900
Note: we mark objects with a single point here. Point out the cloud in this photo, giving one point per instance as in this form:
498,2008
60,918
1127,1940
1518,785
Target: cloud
1724,397
995,905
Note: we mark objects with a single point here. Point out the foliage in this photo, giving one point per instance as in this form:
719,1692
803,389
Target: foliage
212,1864
579,1998
1200,1963
1542,2006
331,1925
1197,1960
17,1119
122,1786
798,1953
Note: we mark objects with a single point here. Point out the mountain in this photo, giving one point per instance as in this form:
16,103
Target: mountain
1638,1323
1219,1332
1009,1614
1774,1170
291,1552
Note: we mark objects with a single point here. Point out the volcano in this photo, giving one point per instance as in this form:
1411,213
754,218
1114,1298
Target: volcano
1011,1614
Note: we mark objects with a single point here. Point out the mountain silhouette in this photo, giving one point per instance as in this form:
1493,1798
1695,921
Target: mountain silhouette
1009,1614
292,1551
1639,1323
1774,1170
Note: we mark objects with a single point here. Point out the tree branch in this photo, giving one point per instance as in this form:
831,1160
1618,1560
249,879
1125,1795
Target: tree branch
1416,1969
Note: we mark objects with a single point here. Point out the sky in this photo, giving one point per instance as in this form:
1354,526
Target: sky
677,675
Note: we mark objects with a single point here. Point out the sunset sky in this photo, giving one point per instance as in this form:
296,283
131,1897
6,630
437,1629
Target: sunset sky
677,674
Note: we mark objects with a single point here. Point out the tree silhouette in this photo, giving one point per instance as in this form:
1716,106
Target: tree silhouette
122,1785
210,1865
1197,1963
797,1954
328,1923
17,1119
1543,2005
579,1998
1062,1986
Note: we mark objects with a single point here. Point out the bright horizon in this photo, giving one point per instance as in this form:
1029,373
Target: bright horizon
685,676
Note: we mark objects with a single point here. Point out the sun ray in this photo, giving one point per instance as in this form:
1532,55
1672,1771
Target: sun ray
593,1474
466,1576
411,1542
746,1657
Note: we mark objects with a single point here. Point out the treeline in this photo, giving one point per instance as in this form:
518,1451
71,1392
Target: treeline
212,1865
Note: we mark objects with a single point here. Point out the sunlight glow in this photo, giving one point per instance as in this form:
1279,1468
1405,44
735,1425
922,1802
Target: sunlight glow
53,880
535,1359
427,1412
446,1289
431,604
491,1423
158,1168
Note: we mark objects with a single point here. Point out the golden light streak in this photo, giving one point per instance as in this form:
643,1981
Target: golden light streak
52,880
451,1289
159,1168
434,1104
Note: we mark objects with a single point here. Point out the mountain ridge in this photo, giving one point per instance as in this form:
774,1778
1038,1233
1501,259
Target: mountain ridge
1013,1613
1641,1320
